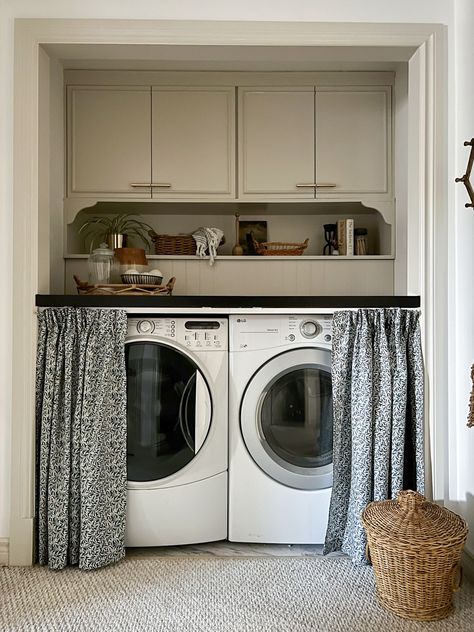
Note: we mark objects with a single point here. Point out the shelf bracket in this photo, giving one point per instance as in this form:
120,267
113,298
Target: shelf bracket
466,177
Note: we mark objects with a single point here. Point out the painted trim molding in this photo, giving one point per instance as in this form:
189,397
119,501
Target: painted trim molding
4,551
430,178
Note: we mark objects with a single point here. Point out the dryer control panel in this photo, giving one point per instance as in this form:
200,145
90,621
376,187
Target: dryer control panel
196,334
253,332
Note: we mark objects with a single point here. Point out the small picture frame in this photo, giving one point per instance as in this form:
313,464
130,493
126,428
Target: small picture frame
247,229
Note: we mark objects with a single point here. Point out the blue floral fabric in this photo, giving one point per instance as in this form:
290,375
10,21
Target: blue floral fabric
378,396
81,437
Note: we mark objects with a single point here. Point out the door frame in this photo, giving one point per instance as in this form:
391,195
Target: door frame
428,194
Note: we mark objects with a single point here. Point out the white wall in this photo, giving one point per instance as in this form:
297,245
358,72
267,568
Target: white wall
425,11
461,239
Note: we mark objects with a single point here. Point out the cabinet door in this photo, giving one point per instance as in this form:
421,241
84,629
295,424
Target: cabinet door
352,141
108,141
276,142
193,142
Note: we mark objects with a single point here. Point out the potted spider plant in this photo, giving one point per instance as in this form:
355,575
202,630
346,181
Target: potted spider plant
115,229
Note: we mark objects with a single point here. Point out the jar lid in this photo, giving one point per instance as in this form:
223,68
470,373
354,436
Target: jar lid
103,249
411,519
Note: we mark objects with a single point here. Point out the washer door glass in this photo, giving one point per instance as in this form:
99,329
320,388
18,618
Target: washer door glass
168,410
286,418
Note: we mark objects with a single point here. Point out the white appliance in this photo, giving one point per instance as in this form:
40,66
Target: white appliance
280,428
177,381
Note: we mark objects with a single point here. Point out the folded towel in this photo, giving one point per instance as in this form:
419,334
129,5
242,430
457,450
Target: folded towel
207,240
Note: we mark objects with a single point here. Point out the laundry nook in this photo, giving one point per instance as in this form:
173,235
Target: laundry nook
237,325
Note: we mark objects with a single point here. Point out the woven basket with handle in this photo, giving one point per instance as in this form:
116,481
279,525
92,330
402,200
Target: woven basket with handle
415,547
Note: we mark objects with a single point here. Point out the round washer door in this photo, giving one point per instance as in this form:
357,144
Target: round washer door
286,418
169,409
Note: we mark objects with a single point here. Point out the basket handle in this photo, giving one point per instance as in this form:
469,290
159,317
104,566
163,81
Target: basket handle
457,577
367,553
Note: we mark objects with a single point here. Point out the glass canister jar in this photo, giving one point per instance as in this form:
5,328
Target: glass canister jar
101,263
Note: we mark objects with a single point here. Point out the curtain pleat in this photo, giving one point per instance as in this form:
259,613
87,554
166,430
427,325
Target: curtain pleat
81,436
377,377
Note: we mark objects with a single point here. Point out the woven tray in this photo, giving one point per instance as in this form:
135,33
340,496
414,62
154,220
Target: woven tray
114,289
280,248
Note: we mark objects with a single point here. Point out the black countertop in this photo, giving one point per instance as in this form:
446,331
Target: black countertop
226,302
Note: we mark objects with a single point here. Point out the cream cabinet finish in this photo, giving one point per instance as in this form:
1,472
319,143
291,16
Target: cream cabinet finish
193,142
125,142
276,150
353,140
108,141
315,142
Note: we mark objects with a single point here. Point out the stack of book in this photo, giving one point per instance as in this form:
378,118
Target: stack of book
345,237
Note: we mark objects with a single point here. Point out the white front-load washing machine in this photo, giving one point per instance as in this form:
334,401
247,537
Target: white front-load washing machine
280,428
177,441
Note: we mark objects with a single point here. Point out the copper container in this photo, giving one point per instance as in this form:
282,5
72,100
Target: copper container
131,256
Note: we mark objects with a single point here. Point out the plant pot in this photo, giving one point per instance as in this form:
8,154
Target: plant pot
116,240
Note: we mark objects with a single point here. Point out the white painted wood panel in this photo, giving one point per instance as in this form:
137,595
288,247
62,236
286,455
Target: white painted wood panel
247,277
193,141
353,140
109,140
276,141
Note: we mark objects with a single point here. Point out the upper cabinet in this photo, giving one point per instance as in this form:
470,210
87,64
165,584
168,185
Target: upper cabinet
151,143
109,132
315,142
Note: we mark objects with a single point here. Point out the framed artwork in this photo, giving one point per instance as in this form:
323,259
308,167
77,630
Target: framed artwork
247,229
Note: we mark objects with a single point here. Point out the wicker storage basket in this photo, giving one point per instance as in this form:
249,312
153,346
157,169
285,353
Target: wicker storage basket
415,546
279,248
174,244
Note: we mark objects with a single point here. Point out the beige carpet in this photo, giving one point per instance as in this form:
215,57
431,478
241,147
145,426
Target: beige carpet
208,594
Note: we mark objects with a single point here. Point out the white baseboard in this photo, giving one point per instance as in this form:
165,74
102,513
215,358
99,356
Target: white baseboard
4,546
467,561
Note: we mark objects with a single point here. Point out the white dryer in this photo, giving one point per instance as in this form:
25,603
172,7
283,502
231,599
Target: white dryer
177,380
280,428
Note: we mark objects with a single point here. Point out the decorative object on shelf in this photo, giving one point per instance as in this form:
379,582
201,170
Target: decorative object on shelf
330,232
117,289
360,241
280,248
257,230
345,237
415,548
130,258
133,277
237,250
116,229
175,244
207,241
466,177
101,264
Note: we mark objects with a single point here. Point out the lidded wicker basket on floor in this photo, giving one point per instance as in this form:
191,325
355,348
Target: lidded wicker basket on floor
415,547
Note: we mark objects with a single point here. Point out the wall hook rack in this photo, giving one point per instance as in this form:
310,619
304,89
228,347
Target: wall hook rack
466,177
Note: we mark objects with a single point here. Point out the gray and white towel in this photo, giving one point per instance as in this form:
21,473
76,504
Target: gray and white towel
207,240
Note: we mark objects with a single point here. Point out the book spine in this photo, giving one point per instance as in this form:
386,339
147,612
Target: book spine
341,236
349,237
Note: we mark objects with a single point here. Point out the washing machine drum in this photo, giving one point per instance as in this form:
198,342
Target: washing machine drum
286,418
169,410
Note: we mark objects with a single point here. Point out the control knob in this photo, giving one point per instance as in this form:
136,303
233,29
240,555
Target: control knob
310,328
145,327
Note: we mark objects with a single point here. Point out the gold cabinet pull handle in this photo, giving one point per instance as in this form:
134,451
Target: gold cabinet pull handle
150,184
326,185
304,185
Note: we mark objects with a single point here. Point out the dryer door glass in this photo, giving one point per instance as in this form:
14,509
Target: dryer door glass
296,417
168,410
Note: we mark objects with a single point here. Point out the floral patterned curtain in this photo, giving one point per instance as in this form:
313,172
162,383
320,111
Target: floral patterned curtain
377,376
81,437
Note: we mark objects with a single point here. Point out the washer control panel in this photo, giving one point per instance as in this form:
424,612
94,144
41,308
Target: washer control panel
196,334
261,331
